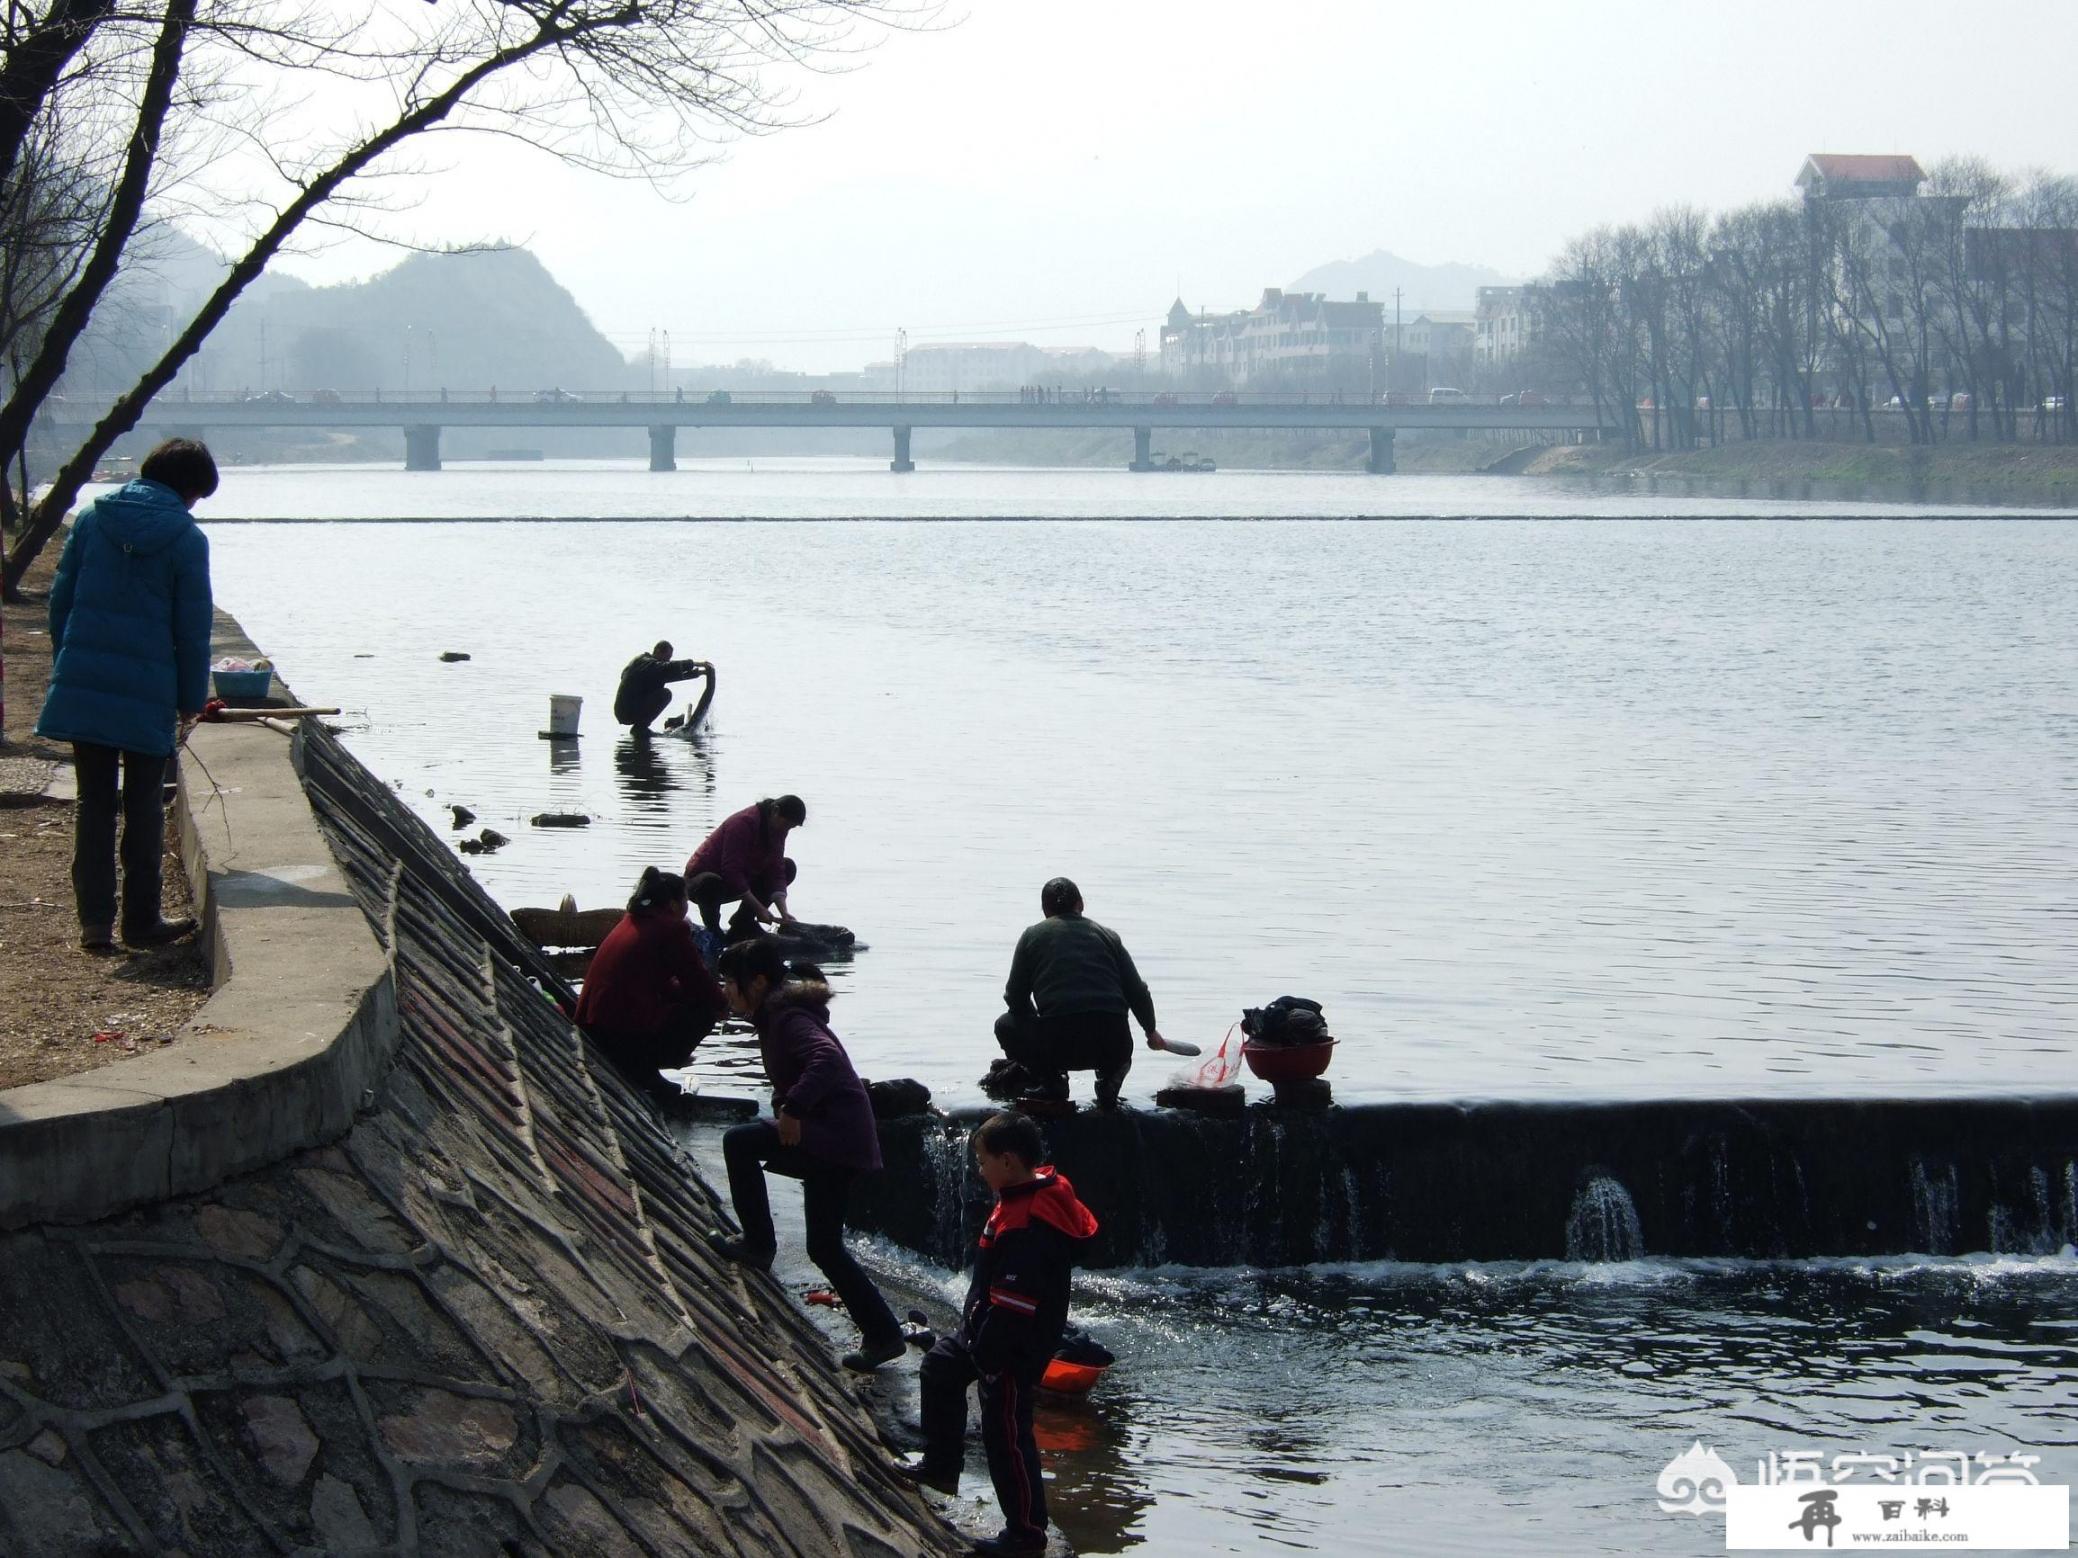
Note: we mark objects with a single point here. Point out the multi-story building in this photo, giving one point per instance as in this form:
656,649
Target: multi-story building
1503,325
1295,335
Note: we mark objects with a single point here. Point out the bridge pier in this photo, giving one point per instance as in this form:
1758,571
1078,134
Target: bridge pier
902,462
1381,461
1143,446
422,448
663,448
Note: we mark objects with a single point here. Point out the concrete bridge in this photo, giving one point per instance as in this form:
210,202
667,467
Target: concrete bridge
422,416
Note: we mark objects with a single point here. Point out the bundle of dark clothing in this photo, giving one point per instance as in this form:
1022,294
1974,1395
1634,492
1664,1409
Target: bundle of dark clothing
1078,1346
1286,1023
897,1097
1006,1079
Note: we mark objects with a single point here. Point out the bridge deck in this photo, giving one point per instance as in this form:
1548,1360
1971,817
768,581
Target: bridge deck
860,409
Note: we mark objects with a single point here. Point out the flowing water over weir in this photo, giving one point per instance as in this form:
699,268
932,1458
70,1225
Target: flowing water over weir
1604,1224
1766,1179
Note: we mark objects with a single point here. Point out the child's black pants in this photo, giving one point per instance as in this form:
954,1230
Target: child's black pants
1006,1428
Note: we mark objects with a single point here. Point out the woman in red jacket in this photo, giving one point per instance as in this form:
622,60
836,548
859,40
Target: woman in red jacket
649,997
821,1133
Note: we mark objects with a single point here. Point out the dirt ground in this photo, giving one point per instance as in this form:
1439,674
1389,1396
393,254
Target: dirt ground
55,998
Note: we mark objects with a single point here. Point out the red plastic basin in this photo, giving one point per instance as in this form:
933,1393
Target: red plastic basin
1275,1063
1070,1379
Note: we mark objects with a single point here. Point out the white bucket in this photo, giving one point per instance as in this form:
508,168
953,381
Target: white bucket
563,709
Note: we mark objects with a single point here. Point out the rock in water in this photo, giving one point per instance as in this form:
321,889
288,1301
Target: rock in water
560,819
463,816
452,655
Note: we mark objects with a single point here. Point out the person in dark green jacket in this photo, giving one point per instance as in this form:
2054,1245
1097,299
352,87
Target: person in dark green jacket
1072,982
645,686
130,615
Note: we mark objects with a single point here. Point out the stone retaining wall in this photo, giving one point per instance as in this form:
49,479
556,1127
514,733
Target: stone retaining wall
282,1054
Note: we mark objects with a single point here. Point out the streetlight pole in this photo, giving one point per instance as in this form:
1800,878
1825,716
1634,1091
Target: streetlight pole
901,359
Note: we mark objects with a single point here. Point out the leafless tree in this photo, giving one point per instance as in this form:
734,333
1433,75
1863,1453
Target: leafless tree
639,88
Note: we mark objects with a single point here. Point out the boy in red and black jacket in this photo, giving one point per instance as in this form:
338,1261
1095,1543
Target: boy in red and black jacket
1017,1307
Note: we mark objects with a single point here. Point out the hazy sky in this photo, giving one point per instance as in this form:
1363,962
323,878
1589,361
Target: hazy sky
1050,171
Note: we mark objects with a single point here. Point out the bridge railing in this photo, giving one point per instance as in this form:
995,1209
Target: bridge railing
1034,395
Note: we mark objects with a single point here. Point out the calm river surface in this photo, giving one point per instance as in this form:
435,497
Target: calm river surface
1728,797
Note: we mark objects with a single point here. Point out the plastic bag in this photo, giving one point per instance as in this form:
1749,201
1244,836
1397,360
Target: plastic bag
1221,1066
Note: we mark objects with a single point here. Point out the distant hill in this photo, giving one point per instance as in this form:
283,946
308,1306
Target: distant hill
1450,286
464,321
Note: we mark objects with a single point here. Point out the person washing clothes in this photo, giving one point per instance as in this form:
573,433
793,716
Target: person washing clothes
1010,1325
130,618
1072,982
649,997
821,1133
745,859
645,687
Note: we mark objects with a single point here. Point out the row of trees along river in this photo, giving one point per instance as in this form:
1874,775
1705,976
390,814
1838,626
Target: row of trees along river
1953,312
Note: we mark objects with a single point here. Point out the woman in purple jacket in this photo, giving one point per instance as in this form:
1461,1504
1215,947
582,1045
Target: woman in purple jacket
821,1133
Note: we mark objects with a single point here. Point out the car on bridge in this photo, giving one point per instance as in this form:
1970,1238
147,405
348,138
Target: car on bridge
1165,399
718,398
552,397
1443,396
271,398
1225,398
822,398
1524,398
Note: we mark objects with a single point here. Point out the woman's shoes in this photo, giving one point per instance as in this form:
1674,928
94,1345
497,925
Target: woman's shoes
871,1355
739,1252
922,1474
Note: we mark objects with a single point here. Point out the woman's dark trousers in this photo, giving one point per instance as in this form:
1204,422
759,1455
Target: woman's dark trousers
750,1150
139,798
640,1056
709,892
1006,1428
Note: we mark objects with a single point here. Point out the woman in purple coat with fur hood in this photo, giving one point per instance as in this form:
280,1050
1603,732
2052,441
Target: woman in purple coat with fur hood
821,1133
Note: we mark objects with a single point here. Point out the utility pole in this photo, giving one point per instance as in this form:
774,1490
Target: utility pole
667,359
901,359
652,359
263,351
1139,354
1393,368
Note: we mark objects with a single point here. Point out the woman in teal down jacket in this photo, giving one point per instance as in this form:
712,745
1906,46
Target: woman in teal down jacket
130,617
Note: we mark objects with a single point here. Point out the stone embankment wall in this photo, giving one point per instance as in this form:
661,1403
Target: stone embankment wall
475,1316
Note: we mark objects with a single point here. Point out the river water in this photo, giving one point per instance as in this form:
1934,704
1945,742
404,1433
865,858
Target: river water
1711,796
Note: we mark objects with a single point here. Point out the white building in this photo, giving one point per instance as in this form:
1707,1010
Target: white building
1288,334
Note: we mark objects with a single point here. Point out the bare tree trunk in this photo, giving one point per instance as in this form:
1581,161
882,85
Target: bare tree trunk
125,205
49,513
34,65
